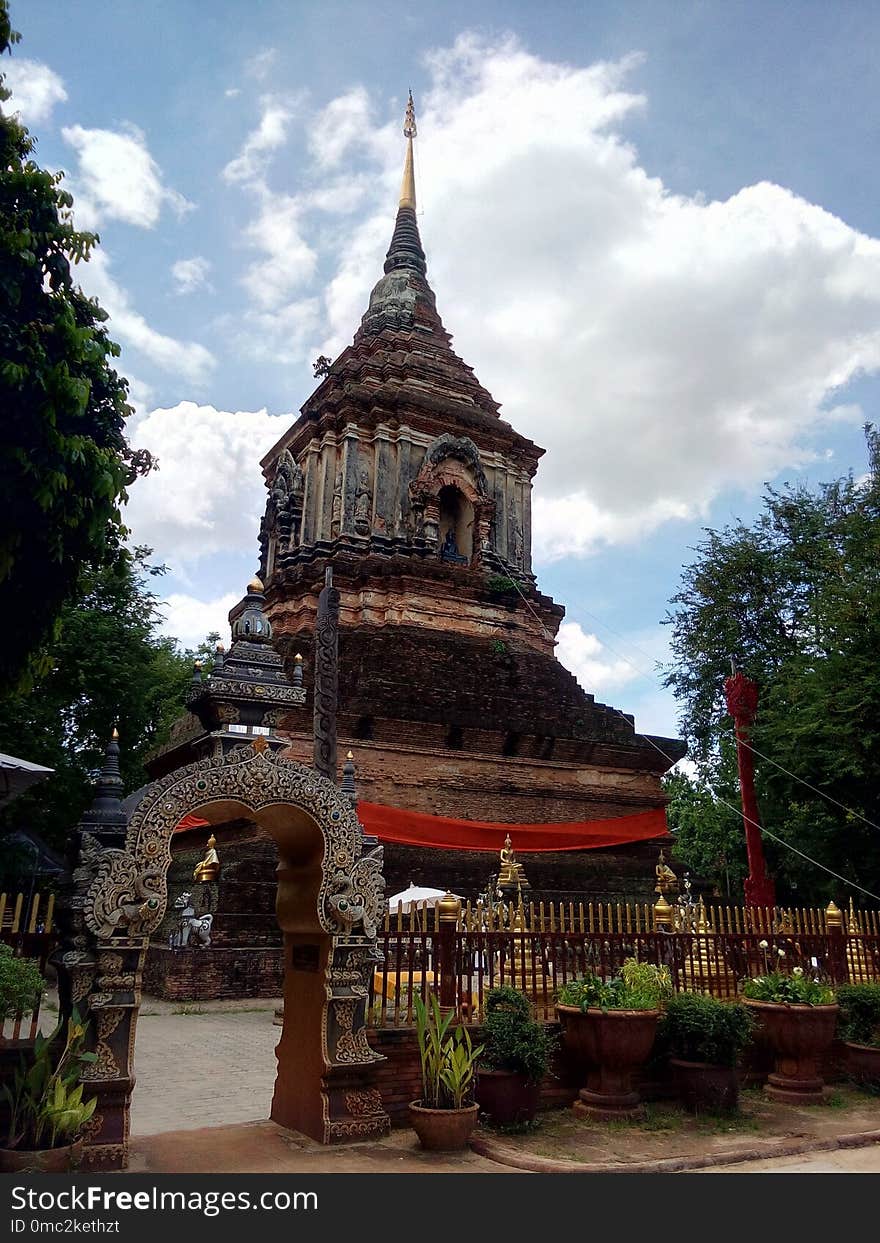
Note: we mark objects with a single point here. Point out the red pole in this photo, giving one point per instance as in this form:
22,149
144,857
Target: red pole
742,703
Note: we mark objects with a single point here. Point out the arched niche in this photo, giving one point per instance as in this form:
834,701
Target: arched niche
330,893
451,492
457,516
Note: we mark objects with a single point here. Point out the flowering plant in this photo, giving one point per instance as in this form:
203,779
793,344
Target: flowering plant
797,989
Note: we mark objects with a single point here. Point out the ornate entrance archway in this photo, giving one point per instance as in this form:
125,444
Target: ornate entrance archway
330,892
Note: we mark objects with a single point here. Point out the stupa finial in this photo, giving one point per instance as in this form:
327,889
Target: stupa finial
408,184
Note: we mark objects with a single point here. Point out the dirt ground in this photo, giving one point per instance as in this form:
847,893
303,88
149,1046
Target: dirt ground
667,1132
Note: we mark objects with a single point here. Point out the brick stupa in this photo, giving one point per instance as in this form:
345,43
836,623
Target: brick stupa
401,474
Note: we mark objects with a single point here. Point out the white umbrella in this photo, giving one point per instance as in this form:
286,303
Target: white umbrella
417,896
17,775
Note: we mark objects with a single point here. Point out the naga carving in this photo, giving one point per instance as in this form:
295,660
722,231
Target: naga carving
355,897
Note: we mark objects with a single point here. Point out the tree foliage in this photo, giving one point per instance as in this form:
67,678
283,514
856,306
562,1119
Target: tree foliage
109,665
795,597
66,463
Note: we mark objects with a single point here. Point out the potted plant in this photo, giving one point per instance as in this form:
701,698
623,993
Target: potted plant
796,1016
610,1027
516,1056
47,1113
705,1037
860,1030
446,1115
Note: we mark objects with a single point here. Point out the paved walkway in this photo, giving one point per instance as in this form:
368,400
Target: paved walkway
205,1075
202,1067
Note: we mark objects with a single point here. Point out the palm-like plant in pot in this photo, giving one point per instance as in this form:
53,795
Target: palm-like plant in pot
705,1037
446,1115
796,1016
860,1030
47,1113
610,1026
516,1057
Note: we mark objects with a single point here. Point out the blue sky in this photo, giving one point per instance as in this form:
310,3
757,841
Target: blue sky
650,227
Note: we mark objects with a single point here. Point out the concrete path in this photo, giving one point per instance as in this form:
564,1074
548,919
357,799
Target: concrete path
841,1161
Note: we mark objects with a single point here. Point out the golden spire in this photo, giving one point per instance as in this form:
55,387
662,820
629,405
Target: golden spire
408,185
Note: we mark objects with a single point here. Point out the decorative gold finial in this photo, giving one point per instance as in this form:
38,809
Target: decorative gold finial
408,185
255,586
115,734
298,658
409,122
349,756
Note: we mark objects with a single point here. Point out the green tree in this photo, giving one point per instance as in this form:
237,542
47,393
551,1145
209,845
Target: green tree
108,664
66,463
708,837
795,597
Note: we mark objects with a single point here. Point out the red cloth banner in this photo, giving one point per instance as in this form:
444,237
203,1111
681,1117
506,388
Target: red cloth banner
415,828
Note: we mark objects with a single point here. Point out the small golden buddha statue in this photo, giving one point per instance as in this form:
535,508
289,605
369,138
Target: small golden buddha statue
667,881
209,868
511,873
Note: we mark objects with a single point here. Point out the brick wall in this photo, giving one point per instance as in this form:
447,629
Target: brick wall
215,972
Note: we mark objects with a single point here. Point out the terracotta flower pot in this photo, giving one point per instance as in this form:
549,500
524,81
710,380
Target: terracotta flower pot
800,1037
705,1088
508,1097
863,1062
41,1160
612,1044
443,1130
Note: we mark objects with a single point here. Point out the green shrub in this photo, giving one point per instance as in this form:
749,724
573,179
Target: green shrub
797,989
639,986
500,584
21,983
701,1029
860,1013
514,1041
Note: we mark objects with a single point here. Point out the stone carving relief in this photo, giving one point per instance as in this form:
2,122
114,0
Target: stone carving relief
363,505
336,507
283,513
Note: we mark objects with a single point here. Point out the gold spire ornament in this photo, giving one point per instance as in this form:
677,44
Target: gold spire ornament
408,184
209,868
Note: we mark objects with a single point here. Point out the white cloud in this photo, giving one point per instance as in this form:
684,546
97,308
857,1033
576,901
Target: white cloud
662,348
289,261
191,274
598,670
207,495
232,92
36,89
261,64
188,359
190,620
344,122
119,176
271,133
